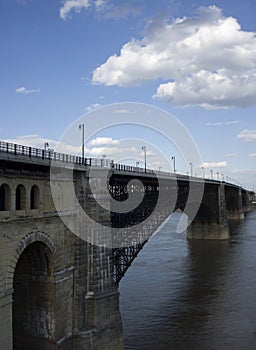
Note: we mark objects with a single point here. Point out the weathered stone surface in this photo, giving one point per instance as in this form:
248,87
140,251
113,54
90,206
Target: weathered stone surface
55,288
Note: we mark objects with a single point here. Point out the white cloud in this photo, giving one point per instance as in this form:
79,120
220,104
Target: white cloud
148,153
37,141
99,141
99,3
69,5
214,164
111,152
32,141
118,10
252,154
226,122
105,8
93,107
23,90
247,135
205,60
214,124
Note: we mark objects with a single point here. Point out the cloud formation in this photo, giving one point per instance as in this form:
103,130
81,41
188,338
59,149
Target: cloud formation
214,164
105,8
205,60
23,90
100,141
93,107
226,122
77,5
32,141
247,135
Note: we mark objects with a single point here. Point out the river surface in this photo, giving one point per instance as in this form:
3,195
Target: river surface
181,294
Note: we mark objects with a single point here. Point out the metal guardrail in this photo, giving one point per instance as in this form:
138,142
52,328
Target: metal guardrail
32,152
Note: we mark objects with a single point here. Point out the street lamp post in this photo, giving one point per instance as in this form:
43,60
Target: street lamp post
46,144
81,127
145,156
203,171
191,169
174,167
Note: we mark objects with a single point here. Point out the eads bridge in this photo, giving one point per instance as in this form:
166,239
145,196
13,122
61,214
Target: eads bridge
69,230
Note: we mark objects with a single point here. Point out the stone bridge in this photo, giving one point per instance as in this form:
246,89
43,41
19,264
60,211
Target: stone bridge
60,269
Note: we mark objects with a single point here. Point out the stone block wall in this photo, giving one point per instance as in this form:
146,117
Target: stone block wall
55,288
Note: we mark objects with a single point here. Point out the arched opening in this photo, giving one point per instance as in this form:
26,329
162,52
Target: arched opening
20,197
34,197
5,197
34,299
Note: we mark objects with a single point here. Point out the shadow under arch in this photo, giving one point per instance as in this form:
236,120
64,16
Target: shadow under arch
5,197
34,197
34,298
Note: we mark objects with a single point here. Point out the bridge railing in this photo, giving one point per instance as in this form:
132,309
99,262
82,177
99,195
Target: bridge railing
135,169
32,152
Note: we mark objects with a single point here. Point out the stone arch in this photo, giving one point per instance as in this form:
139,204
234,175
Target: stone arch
34,197
20,197
34,293
34,236
5,197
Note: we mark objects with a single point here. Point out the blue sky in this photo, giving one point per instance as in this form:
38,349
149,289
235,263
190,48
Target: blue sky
193,59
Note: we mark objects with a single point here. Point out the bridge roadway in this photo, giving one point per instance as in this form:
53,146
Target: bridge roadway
59,272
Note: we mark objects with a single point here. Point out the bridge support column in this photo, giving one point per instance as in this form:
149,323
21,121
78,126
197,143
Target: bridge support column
238,213
211,222
198,230
102,326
